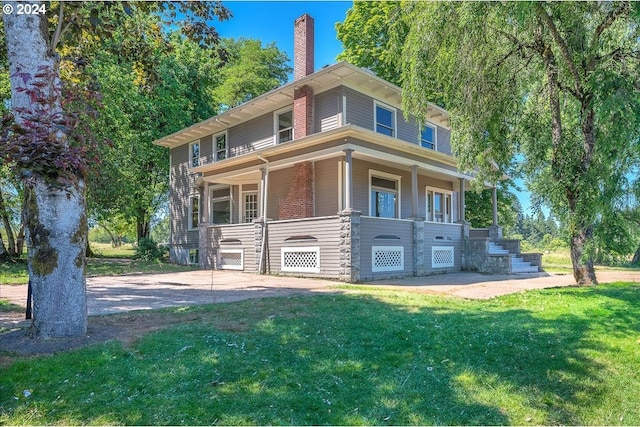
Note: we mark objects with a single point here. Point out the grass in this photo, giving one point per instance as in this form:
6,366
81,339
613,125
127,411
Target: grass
106,250
559,262
16,272
558,356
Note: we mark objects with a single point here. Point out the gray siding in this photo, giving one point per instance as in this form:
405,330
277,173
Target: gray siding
181,188
242,236
359,109
327,110
326,187
252,135
327,232
442,235
372,227
360,112
444,140
206,147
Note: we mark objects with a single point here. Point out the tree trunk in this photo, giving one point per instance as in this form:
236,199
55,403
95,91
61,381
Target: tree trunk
3,251
114,238
11,241
143,226
89,252
636,257
57,239
54,213
20,240
583,272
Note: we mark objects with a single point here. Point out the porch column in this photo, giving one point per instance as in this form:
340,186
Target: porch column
348,179
461,202
495,231
205,204
414,191
495,205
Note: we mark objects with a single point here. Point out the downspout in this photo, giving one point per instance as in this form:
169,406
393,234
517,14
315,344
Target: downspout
265,188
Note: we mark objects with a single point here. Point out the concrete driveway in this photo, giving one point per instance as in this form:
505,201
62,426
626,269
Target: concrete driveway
116,294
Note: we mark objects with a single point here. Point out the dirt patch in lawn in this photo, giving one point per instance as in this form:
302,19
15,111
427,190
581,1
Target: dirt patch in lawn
126,328
131,326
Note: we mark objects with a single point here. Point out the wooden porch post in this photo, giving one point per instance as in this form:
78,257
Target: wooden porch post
461,202
348,180
414,191
205,203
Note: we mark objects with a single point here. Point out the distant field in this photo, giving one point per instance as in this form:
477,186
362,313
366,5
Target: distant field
109,261
560,262
105,250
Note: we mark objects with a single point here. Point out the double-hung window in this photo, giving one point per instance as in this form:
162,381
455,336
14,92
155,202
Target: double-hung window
194,211
194,154
384,195
439,205
385,119
220,146
428,137
220,205
283,125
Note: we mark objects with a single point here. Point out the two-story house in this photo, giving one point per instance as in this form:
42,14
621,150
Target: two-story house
321,177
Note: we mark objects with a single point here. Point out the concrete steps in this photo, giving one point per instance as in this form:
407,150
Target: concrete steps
518,265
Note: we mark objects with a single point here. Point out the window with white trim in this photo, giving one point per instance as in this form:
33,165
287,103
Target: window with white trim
250,211
283,125
439,205
194,211
384,191
220,205
428,137
194,154
385,119
220,147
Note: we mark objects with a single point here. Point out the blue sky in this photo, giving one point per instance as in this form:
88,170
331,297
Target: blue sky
272,21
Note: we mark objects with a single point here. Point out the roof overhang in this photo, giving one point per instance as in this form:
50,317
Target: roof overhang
342,73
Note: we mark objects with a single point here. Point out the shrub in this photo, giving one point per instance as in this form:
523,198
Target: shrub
148,250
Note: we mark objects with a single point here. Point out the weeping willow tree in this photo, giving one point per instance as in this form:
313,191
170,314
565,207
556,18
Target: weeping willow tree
550,88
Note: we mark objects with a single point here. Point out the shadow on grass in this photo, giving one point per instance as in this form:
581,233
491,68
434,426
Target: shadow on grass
345,360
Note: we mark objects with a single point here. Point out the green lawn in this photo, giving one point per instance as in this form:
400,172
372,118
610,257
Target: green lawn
557,356
16,272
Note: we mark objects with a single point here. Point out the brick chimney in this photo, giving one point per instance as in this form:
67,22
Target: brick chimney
299,202
302,47
302,66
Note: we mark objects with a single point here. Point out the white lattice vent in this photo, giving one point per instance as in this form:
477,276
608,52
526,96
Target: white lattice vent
387,258
231,259
300,260
442,256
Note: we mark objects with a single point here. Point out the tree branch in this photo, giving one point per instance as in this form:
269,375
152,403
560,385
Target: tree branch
614,14
564,49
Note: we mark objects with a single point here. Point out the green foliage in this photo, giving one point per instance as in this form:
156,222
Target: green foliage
548,81
479,208
559,356
149,250
251,70
367,37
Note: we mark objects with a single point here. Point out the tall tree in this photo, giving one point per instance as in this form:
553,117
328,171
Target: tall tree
547,80
251,70
47,144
